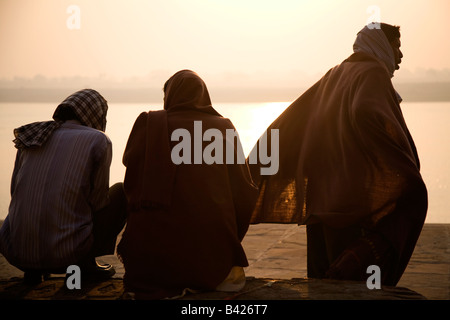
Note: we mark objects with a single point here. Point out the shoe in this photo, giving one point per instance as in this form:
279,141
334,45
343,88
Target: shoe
32,277
96,272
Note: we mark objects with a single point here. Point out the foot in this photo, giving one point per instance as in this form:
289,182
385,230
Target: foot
96,271
32,277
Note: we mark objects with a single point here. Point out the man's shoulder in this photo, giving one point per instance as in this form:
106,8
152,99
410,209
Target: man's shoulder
362,63
83,130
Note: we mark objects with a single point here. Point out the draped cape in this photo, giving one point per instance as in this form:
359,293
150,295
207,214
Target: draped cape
346,157
150,172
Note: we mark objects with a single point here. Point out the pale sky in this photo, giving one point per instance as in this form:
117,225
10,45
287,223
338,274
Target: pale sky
240,41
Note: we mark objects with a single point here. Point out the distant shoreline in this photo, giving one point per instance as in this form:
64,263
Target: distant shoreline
427,223
410,92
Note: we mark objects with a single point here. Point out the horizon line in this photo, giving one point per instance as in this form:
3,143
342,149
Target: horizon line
414,91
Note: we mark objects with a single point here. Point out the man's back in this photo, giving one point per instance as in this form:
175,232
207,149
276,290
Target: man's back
55,189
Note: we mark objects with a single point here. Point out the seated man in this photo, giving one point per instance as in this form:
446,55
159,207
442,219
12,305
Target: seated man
186,219
348,167
62,211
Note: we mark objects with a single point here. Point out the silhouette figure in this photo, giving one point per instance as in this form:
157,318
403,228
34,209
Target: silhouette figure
62,211
185,220
348,168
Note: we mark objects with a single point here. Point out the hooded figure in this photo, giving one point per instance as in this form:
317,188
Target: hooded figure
349,169
186,219
60,211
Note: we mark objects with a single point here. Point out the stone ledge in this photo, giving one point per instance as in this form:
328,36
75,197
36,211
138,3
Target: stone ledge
255,289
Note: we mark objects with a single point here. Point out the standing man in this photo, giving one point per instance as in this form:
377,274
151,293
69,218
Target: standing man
62,211
349,169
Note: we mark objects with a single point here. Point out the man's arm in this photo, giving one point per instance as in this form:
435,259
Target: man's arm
15,171
100,177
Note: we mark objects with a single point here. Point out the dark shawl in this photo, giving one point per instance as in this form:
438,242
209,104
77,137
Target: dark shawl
185,222
346,158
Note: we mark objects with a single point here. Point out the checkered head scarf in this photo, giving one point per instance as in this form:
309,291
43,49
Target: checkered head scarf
89,107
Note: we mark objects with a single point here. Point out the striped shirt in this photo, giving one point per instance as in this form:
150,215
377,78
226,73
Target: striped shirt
54,191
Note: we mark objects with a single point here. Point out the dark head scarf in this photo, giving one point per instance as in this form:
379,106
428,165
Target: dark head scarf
89,107
186,90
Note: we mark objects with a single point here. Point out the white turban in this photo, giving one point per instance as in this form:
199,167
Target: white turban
374,42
